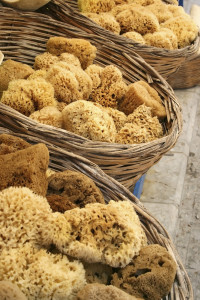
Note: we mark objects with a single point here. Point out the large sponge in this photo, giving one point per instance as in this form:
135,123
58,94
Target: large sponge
110,234
149,275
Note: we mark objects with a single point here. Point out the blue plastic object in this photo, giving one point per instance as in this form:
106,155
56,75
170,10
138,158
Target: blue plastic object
139,187
180,2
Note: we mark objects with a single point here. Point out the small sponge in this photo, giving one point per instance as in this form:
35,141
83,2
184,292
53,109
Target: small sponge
149,275
137,18
164,38
77,187
161,11
48,115
96,6
10,70
45,61
95,71
139,93
105,20
84,118
132,134
135,36
26,96
79,47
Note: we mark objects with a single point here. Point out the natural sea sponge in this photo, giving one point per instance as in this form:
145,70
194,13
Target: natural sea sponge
98,291
119,117
84,80
176,10
139,93
149,275
77,187
132,134
112,87
26,96
97,273
24,217
95,71
161,11
10,70
110,234
38,74
142,116
48,115
139,19
45,61
96,6
42,275
184,28
26,168
164,38
133,35
105,20
10,291
81,48
59,203
65,84
10,144
84,118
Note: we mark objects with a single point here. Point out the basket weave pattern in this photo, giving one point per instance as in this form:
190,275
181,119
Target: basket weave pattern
24,35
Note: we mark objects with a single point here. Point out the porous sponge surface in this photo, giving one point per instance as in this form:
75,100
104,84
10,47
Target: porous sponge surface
149,275
84,118
110,234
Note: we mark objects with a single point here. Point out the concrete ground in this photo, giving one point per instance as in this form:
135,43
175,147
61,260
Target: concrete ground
171,188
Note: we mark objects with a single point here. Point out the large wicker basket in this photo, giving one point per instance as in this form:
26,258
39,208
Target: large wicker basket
23,36
61,160
166,62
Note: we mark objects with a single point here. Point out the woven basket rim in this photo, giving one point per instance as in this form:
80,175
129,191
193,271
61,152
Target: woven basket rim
185,51
60,158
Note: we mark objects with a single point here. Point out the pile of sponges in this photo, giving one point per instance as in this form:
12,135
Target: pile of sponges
60,240
65,89
150,22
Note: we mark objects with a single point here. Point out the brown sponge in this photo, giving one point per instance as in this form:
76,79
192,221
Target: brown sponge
10,144
149,275
25,168
11,70
139,93
97,273
60,203
79,47
98,291
77,187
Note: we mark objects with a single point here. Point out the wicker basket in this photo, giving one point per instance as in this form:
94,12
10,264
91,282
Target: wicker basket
166,62
156,234
23,36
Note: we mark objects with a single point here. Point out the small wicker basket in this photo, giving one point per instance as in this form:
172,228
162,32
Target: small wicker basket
166,62
61,160
24,35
